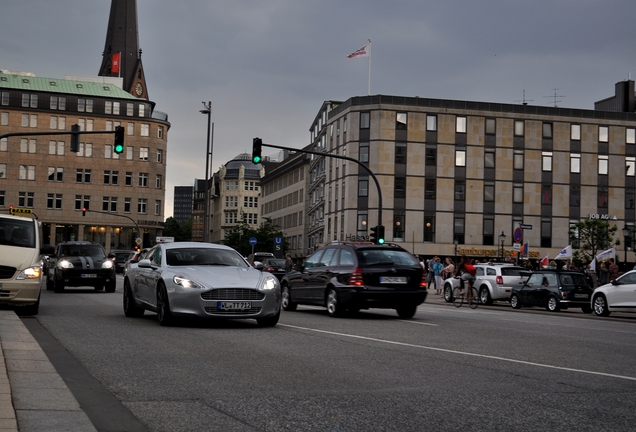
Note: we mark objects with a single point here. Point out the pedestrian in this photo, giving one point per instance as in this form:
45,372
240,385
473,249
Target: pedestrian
288,263
613,270
437,270
603,273
449,268
430,273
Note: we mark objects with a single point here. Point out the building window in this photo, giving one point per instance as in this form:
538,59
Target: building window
602,197
400,153
130,109
82,202
56,148
460,190
364,152
517,193
129,152
489,191
489,158
398,226
85,150
517,162
363,187
630,136
603,134
430,186
127,205
575,163
460,157
630,165
400,121
429,229
81,105
28,145
575,196
141,205
158,208
400,187
575,132
143,179
108,107
145,129
3,170
56,174
603,164
431,156
116,108
131,128
111,177
547,130
159,156
83,175
431,123
458,229
546,163
25,199
365,121
3,144
158,181
519,128
460,125
129,176
160,132
491,126
630,194
546,194
5,98
27,172
142,110
546,233
488,230
4,119
143,153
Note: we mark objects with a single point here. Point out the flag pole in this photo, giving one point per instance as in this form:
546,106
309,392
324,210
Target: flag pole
369,84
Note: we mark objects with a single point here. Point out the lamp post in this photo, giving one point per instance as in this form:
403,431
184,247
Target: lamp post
626,232
502,239
455,243
208,160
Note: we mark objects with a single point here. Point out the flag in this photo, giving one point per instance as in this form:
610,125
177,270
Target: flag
365,51
524,249
544,262
114,63
610,253
566,253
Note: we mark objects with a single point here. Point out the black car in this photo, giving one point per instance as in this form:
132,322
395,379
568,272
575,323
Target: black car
275,266
347,277
80,263
554,290
121,258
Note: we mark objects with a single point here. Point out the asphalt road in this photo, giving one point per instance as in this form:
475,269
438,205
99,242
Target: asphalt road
492,368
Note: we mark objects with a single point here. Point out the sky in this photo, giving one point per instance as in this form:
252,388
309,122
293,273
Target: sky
267,66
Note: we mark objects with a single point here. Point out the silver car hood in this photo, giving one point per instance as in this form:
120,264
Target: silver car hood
222,276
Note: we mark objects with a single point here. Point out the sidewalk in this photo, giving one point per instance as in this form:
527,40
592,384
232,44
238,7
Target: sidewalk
33,396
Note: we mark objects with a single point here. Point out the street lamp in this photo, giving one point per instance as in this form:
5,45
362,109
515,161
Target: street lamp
455,243
626,232
208,160
502,239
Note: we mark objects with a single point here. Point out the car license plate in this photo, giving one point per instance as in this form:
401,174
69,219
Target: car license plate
393,279
89,275
233,305
580,295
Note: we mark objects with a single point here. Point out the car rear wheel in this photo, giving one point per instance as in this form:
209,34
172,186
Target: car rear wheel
484,296
269,321
553,304
600,305
333,307
287,304
515,302
448,293
131,309
164,315
586,309
32,309
406,312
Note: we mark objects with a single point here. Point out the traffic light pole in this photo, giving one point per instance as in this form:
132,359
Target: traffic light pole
377,184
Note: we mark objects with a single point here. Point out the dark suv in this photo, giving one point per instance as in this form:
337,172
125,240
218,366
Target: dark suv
347,277
80,263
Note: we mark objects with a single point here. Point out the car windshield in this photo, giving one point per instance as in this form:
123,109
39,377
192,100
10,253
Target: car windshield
573,279
17,233
122,256
204,257
370,257
83,251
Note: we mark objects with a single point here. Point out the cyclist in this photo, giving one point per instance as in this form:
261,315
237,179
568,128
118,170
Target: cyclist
466,271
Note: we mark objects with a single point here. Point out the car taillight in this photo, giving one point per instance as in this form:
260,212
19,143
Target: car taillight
564,294
423,280
499,280
356,277
270,269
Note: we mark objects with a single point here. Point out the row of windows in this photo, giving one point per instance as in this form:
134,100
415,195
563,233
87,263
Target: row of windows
31,100
55,202
283,202
56,174
232,217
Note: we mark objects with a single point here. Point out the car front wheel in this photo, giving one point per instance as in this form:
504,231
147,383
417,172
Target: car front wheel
287,304
131,310
515,302
164,315
269,321
448,293
600,305
553,304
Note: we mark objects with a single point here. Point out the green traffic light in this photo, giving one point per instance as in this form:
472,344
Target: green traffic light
256,159
381,241
119,148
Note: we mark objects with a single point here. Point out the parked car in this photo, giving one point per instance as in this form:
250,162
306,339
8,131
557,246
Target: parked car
81,263
617,296
205,280
275,266
493,282
346,277
259,257
121,258
553,289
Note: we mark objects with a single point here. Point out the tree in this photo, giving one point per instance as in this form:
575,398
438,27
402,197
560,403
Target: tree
239,236
171,228
180,232
593,236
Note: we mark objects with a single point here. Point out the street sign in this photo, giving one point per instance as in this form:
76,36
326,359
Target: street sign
524,226
518,235
138,241
253,241
516,246
165,239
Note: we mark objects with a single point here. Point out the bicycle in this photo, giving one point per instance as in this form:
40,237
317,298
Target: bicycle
458,295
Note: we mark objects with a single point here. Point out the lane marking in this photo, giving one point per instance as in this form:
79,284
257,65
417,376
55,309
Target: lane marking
420,323
464,353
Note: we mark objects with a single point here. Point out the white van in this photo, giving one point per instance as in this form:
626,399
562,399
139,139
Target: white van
21,253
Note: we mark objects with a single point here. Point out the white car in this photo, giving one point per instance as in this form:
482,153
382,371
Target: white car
616,296
492,282
200,280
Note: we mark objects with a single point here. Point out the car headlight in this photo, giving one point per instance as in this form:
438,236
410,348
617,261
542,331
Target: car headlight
186,283
30,273
269,283
65,264
107,264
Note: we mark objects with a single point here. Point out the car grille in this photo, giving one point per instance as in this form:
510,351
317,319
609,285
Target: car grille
213,311
7,272
232,294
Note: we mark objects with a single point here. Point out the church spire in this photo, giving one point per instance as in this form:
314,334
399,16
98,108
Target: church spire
122,56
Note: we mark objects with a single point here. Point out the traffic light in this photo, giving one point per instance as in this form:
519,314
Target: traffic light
119,140
374,235
75,138
256,151
380,234
83,211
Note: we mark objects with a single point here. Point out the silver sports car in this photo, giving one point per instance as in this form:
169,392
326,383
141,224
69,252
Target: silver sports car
202,280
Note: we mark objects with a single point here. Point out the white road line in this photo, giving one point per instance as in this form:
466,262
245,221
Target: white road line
420,323
463,353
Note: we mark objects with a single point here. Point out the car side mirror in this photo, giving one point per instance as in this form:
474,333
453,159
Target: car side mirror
614,282
145,263
258,265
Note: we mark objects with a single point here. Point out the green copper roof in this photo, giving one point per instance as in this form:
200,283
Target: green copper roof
56,85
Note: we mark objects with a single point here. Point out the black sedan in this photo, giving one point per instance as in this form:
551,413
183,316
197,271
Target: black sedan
553,289
275,266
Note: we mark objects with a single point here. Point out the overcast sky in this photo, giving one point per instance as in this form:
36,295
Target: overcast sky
268,65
